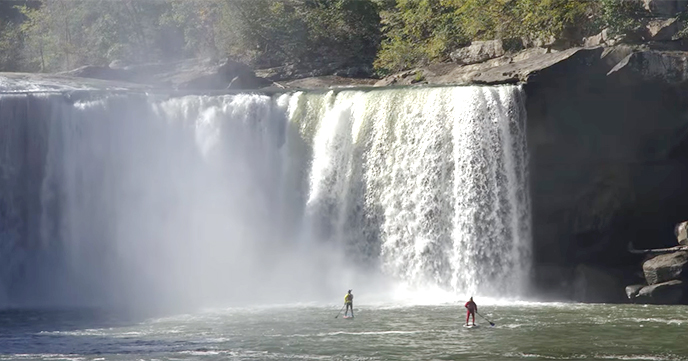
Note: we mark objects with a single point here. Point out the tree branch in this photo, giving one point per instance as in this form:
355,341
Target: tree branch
632,249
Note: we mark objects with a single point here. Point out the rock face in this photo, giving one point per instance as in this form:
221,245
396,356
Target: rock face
608,146
593,284
666,267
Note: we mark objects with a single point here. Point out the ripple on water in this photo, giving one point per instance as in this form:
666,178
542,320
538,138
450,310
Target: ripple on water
557,332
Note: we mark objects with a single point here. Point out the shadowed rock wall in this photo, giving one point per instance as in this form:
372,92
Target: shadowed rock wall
608,166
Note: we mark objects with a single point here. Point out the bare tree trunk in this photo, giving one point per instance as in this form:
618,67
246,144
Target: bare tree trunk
40,49
631,249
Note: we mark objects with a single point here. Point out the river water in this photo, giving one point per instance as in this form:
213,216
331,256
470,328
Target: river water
532,331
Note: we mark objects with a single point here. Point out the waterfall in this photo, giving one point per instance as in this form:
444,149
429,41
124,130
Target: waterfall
429,183
134,199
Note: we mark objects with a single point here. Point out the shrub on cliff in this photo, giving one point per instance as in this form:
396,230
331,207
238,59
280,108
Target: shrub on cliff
418,32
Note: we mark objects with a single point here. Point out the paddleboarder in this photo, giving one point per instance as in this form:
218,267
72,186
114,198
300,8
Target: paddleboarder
349,303
471,309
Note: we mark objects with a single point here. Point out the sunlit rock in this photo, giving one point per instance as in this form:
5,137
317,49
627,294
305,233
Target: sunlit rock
666,267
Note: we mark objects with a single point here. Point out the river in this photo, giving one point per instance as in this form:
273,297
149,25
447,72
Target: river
523,330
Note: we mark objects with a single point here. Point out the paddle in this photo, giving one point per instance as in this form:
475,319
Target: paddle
491,323
340,311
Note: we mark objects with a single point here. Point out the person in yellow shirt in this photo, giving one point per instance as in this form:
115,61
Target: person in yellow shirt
349,303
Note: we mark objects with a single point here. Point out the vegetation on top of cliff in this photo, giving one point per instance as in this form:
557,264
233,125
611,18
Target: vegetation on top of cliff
425,31
390,35
60,35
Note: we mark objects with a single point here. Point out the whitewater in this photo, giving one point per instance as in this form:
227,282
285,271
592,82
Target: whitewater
143,199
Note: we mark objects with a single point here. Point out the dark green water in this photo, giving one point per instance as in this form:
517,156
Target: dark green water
537,331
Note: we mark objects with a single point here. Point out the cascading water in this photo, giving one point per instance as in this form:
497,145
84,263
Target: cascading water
429,183
136,199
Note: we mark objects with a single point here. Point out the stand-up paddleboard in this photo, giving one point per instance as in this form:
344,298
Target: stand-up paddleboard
349,317
471,326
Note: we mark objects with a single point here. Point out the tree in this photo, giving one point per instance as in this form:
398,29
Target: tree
418,32
63,34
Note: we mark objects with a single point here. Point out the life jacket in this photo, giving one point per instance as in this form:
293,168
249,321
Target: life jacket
348,298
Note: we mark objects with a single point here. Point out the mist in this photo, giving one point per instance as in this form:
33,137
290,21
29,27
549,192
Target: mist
153,203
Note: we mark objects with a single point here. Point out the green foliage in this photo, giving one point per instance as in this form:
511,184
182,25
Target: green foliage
392,35
63,34
10,46
418,32
421,31
274,33
621,17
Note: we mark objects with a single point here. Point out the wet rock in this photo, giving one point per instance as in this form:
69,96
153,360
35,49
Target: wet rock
633,290
666,293
666,267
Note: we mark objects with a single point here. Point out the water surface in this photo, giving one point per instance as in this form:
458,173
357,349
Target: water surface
522,331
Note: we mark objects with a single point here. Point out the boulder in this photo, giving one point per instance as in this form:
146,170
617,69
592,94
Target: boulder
480,51
662,30
666,8
666,293
681,232
596,40
632,291
666,267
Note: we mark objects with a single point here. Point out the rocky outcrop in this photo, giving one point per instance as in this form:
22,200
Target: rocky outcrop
192,74
632,291
666,267
670,67
291,72
29,82
666,293
480,51
662,29
513,69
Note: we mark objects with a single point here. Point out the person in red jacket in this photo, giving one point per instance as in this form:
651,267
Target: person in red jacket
471,308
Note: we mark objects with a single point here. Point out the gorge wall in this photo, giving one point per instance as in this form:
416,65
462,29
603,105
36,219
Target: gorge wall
608,150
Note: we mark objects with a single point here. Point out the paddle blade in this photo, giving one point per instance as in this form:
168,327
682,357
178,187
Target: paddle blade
492,324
